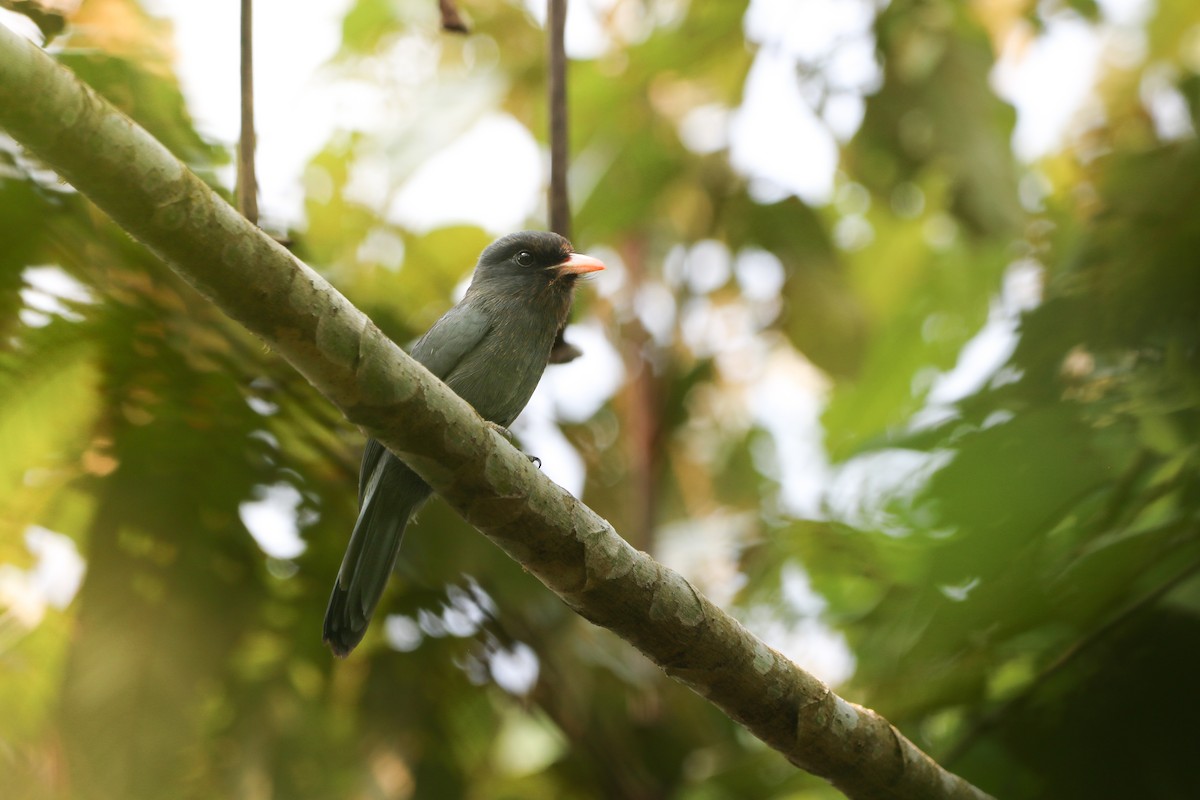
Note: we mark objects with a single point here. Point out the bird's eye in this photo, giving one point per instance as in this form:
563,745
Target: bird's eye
525,258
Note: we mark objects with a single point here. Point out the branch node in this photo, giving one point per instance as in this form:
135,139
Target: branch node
452,21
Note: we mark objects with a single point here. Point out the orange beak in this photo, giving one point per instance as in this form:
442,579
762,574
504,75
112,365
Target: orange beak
578,264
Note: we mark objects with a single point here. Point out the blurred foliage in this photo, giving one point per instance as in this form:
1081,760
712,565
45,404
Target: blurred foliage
1012,565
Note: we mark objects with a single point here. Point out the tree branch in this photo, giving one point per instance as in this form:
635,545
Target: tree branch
566,545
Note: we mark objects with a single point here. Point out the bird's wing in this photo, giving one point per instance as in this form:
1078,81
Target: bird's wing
440,350
451,338
370,460
390,494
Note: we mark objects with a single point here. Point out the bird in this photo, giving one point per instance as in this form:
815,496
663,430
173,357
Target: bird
491,349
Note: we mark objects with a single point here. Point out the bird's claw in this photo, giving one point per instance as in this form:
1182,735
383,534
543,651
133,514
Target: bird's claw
507,434
500,429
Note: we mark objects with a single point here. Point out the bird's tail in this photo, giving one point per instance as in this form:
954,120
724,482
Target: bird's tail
374,546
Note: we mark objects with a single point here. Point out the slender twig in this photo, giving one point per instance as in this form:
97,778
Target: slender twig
560,207
556,101
997,715
247,182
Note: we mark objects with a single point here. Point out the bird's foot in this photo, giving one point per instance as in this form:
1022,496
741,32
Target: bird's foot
500,429
507,434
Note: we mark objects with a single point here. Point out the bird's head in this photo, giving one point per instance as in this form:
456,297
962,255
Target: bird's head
531,261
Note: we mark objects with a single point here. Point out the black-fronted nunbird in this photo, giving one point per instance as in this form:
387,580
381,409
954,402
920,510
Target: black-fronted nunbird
491,349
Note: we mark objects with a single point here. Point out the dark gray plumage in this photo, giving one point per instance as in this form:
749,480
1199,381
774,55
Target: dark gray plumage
491,349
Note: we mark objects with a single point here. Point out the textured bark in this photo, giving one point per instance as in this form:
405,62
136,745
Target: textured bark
570,548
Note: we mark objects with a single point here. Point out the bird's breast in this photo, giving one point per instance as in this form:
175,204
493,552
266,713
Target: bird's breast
498,377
